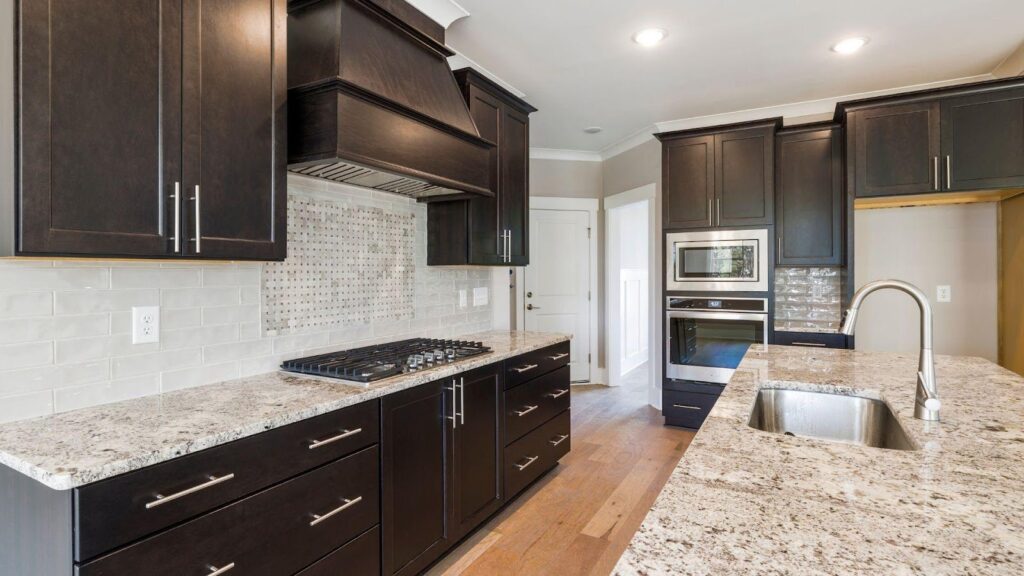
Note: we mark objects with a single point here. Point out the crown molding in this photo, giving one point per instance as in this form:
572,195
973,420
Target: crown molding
561,154
628,143
460,60
444,12
1012,65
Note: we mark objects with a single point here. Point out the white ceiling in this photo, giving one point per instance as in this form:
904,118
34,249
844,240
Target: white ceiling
576,62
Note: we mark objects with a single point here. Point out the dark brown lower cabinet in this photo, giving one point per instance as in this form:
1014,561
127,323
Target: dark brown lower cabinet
477,454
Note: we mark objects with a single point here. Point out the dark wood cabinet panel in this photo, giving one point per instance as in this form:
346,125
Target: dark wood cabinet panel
360,557
689,179
811,339
895,149
809,197
983,140
235,160
100,116
478,448
744,177
531,404
515,178
485,217
417,488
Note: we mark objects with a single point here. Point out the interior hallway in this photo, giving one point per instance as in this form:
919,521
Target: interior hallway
580,517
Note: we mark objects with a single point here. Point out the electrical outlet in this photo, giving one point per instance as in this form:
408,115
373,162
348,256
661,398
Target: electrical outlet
480,296
462,299
145,324
943,294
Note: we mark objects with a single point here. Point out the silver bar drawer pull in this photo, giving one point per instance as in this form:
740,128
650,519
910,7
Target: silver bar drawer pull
558,356
558,394
526,368
199,235
161,500
559,440
817,344
529,460
525,411
177,217
686,407
348,504
214,571
344,434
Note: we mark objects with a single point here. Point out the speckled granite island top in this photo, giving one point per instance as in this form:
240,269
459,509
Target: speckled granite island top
743,501
72,449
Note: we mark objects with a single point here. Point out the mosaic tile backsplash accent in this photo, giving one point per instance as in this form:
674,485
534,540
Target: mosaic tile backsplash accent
808,299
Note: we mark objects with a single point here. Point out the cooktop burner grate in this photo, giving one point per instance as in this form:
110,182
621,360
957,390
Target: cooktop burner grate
384,360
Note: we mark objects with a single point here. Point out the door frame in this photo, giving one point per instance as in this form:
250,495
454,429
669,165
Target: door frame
591,207
648,193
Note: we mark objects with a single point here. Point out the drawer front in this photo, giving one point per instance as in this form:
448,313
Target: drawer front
713,388
360,557
125,508
535,402
532,364
686,409
529,457
811,339
277,531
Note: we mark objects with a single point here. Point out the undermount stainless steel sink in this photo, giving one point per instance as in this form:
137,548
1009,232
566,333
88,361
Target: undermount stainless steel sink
834,417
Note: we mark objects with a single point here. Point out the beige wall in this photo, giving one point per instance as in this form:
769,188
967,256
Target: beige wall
565,178
930,246
1011,313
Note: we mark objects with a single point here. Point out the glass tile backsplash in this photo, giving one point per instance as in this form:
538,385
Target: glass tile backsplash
808,299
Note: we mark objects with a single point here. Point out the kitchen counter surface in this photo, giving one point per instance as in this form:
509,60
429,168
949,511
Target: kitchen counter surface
743,501
71,449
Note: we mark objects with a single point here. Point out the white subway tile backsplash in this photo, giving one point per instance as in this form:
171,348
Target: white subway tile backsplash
26,355
84,302
128,278
16,330
237,351
201,336
234,275
23,406
84,373
231,314
54,279
127,366
198,297
76,397
202,375
19,304
24,380
82,326
177,319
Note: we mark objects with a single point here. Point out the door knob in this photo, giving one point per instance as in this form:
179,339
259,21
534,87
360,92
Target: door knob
529,294
532,307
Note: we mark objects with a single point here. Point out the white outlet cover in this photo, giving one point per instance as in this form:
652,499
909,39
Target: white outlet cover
462,299
944,294
480,296
145,324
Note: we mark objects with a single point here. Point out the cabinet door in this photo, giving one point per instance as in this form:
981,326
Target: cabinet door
983,141
688,173
100,115
478,456
515,178
234,136
744,177
485,223
809,198
895,149
416,469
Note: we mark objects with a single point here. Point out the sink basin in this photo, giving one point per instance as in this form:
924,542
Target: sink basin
833,417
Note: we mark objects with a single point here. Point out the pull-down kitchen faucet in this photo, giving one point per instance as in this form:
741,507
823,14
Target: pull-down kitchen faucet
927,402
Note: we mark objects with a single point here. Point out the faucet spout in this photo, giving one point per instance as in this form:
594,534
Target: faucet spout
927,403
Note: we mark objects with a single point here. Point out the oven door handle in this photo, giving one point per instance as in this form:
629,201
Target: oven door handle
752,316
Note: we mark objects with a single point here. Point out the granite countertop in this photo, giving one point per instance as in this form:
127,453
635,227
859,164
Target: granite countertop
743,501
71,449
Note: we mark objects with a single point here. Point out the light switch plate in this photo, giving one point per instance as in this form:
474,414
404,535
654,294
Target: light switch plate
462,299
944,294
145,324
480,296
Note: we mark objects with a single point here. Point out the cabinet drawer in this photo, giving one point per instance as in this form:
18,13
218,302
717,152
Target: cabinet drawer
277,531
529,457
532,364
125,508
360,557
535,402
686,409
811,339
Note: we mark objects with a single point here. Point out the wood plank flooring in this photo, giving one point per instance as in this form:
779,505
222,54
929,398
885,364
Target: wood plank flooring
582,515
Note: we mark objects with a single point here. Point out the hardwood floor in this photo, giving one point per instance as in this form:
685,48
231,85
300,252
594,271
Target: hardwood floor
580,517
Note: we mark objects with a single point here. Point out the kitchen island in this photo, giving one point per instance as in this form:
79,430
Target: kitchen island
744,501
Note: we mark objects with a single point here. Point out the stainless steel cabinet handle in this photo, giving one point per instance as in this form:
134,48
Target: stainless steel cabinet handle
558,394
508,244
560,439
949,173
816,344
161,500
525,411
718,211
462,400
526,368
199,235
177,217
348,504
558,356
686,407
778,257
935,168
711,212
345,434
214,571
455,407
529,460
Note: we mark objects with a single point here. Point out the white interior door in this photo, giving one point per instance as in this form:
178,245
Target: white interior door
557,281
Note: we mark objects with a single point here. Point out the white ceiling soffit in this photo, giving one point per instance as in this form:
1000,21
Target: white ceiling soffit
571,155
444,12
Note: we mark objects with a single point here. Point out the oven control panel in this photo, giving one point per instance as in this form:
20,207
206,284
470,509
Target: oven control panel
718,304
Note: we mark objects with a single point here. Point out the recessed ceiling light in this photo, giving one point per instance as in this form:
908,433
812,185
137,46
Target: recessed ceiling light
649,37
592,129
850,45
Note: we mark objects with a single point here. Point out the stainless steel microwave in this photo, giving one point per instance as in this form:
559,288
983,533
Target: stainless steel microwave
717,261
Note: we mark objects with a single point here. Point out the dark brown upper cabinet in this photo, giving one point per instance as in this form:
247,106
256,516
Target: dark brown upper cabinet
809,196
983,140
488,231
145,125
719,177
895,149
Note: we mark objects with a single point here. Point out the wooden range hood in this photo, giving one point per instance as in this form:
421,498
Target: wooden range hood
372,102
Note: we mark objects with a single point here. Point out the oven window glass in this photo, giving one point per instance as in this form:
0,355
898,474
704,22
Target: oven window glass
713,342
724,261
